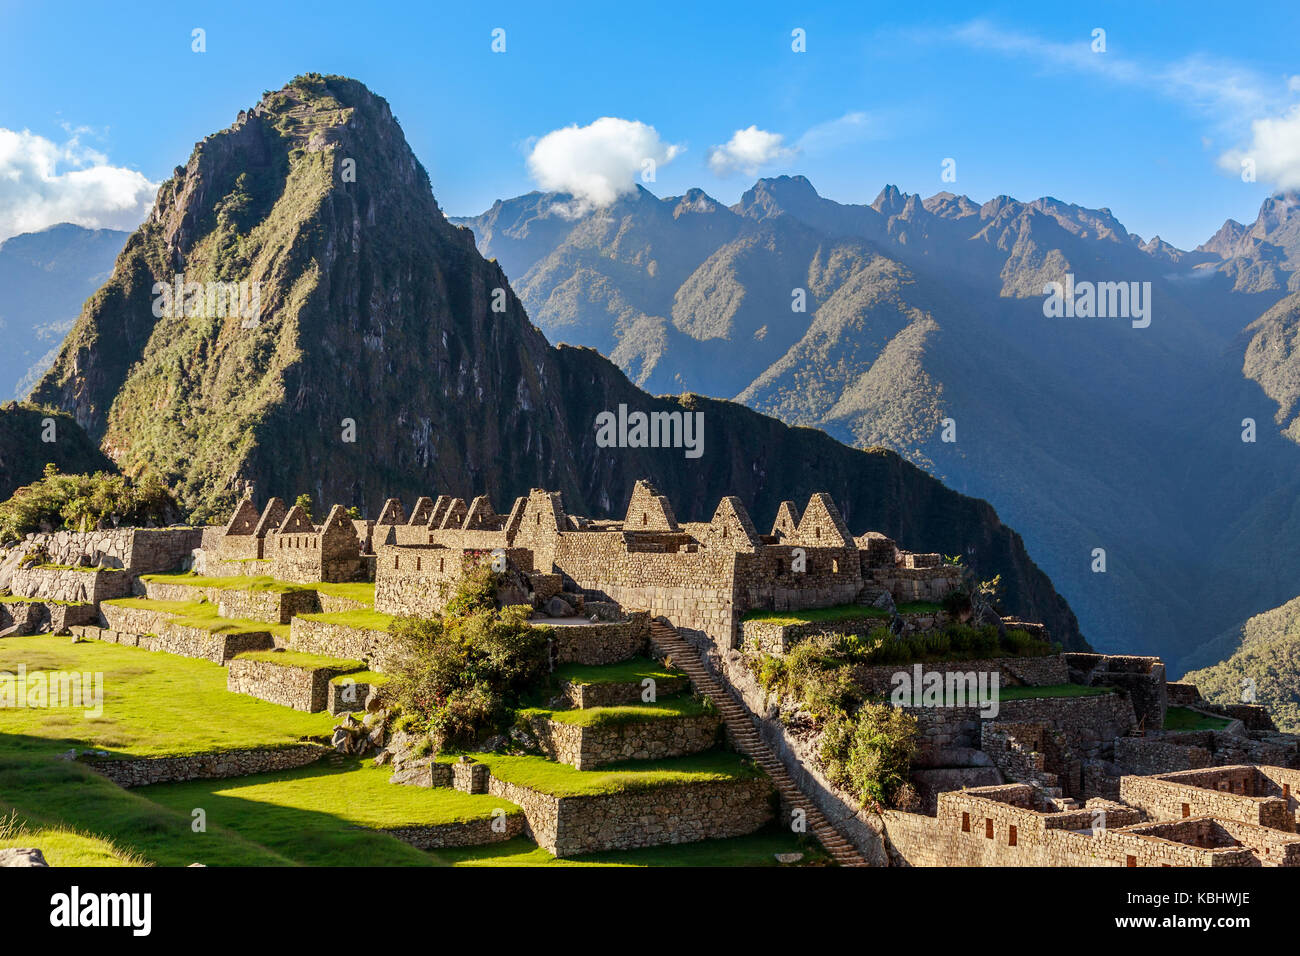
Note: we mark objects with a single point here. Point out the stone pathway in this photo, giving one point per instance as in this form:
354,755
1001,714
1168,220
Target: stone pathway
743,732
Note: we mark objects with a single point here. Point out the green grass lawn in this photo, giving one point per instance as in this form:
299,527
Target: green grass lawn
1184,718
561,780
65,846
202,615
290,658
631,671
669,708
364,619
363,591
154,704
11,599
48,794
756,849
1052,690
841,612
372,678
324,814
261,582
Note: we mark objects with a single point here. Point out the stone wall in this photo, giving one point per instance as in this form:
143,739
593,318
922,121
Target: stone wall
274,607
1090,724
164,635
35,617
1192,793
568,826
81,585
375,648
603,643
1143,756
349,695
999,826
420,579
469,833
614,694
1141,678
302,688
143,771
587,747
1013,671
141,550
271,606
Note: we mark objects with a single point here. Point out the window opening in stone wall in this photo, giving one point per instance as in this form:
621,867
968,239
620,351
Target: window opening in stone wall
965,822
988,828
1011,836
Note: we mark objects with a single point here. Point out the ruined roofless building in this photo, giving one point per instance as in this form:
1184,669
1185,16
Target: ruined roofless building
703,576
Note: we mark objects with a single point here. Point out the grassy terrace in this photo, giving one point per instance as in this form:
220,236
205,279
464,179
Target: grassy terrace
561,780
667,709
291,658
202,615
88,569
361,618
154,704
360,591
373,678
261,582
10,599
631,671
842,612
1184,718
1052,690
323,815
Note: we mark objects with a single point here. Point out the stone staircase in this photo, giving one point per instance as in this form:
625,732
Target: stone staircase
744,734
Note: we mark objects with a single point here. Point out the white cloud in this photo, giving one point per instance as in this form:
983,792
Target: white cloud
1274,149
849,128
43,183
600,162
747,150
1238,102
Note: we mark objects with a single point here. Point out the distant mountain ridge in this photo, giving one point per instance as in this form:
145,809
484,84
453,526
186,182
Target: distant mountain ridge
1086,434
379,322
44,279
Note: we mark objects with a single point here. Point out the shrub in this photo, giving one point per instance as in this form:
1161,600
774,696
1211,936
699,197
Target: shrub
81,502
461,677
870,752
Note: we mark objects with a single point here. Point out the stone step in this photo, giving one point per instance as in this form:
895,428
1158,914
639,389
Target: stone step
741,726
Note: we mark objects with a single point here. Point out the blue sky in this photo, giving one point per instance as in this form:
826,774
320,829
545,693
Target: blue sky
883,94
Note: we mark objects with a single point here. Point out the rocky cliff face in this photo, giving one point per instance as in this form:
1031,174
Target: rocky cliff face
389,357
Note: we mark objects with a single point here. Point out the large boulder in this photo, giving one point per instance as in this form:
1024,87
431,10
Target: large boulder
558,607
22,857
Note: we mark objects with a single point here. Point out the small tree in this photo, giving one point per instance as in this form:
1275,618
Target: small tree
303,501
870,753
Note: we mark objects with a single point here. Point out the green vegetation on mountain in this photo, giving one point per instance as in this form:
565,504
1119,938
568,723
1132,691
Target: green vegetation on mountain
33,437
1264,668
84,502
